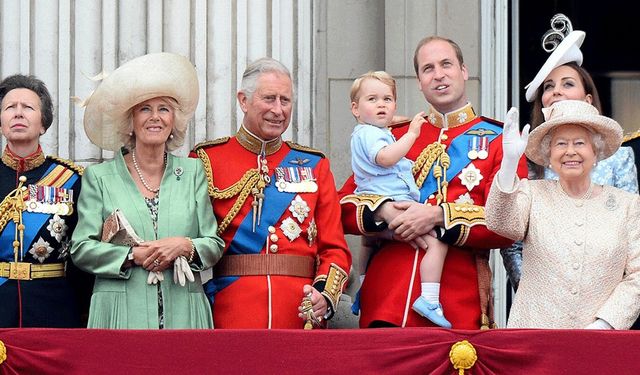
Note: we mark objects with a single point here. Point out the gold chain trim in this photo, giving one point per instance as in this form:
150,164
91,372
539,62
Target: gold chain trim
202,154
241,188
436,154
425,161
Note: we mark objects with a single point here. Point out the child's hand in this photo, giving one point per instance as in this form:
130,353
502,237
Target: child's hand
416,124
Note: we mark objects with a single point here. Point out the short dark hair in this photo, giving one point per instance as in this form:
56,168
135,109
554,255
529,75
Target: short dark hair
430,39
20,81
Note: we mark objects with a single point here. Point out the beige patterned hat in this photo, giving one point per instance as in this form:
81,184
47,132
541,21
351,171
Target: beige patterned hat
574,112
143,78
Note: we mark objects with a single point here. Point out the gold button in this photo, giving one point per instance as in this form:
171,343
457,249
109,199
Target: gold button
273,248
273,237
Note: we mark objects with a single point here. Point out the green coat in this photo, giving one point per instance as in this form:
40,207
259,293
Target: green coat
122,298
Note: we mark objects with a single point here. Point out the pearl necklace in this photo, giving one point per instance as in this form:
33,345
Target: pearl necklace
139,172
586,195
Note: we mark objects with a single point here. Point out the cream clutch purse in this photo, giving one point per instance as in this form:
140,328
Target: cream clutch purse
117,230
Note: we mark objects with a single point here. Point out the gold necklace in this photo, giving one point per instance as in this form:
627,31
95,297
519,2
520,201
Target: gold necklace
139,172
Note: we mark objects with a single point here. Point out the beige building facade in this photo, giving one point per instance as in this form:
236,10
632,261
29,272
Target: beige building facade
326,44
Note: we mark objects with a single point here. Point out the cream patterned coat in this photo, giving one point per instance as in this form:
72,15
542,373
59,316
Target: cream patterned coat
581,258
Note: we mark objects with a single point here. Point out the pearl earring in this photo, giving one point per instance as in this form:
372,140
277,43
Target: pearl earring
130,134
170,136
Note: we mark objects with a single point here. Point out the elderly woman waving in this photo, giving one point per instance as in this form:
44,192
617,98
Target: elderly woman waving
581,256
145,218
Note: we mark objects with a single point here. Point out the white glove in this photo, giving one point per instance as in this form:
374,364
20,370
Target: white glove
154,277
182,271
513,146
599,324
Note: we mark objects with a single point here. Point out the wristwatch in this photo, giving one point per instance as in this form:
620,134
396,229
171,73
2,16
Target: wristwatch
130,255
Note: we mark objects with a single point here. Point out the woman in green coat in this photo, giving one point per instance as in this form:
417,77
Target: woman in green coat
160,229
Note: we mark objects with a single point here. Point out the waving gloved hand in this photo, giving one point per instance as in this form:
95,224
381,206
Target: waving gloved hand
182,271
513,146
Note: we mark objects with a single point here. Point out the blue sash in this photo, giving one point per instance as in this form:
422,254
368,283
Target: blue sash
457,151
245,241
33,223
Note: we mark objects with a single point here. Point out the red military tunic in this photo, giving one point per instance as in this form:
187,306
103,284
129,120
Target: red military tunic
392,283
262,301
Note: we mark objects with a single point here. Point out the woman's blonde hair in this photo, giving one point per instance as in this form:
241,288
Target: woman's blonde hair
180,120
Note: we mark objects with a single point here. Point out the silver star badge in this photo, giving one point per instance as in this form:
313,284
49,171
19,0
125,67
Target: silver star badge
290,228
299,209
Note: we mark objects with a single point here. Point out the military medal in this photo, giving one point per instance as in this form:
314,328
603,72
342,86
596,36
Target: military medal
299,209
290,228
50,200
312,232
295,180
57,228
473,148
41,250
483,153
470,176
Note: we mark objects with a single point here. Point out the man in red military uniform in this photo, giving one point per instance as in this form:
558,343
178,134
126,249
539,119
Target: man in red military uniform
278,212
456,157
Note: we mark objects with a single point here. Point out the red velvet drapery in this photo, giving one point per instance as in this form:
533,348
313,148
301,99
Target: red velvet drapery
370,351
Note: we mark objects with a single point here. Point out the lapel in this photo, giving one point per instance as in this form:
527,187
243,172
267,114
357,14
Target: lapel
170,204
136,210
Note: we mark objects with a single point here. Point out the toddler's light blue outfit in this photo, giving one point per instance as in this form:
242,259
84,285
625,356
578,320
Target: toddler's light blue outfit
396,181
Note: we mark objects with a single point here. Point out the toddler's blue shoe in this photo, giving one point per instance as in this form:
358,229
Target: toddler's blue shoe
431,311
355,306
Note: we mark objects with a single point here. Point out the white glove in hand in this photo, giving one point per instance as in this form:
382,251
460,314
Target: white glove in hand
599,324
182,271
513,146
154,277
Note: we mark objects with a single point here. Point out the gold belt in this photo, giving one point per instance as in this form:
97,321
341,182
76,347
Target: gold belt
260,264
29,271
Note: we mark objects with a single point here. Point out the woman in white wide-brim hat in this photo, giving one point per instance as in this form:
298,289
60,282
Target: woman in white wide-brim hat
581,256
141,112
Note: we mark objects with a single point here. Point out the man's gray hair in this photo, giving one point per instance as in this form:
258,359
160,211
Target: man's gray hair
255,69
596,140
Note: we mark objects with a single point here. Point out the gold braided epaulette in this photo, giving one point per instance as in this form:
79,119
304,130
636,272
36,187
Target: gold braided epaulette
299,147
217,141
631,136
68,163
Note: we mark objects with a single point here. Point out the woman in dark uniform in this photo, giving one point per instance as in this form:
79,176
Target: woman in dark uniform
37,215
